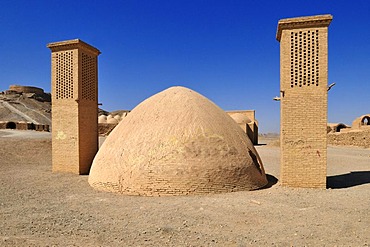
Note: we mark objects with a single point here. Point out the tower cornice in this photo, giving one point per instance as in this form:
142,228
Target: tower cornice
302,22
72,44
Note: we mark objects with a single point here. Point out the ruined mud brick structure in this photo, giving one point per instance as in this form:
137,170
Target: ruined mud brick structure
23,126
358,138
357,135
26,89
248,123
74,79
362,123
303,88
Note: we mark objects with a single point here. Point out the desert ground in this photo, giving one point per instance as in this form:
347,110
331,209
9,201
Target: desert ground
41,208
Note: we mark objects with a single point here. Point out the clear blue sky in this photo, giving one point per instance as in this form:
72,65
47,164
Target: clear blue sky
226,50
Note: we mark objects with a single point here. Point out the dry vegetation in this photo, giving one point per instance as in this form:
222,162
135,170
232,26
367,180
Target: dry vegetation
40,208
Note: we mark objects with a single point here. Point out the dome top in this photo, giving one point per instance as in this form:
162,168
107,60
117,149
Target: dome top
174,143
102,119
112,120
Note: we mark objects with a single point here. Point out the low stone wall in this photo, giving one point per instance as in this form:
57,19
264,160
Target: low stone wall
351,138
41,127
3,125
24,126
21,126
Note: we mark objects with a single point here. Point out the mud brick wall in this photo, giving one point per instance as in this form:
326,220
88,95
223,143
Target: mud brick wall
75,106
303,85
26,89
251,129
352,138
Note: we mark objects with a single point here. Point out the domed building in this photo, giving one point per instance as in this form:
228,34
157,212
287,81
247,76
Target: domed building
102,119
362,122
118,117
336,127
248,123
112,120
177,142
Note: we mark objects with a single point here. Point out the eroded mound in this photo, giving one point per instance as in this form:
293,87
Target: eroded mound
173,143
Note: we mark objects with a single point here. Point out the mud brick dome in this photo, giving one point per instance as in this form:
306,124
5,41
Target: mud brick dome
177,142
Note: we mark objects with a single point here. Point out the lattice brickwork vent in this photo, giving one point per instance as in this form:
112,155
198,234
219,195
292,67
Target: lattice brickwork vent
304,58
88,77
64,75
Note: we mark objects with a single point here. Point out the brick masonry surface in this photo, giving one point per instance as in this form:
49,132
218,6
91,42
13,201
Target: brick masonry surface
74,105
303,85
352,138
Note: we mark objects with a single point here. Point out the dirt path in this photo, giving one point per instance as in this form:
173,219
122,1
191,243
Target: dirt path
40,208
35,112
18,112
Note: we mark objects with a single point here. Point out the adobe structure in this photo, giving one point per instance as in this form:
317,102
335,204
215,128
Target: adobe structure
107,123
336,127
25,89
357,135
303,95
22,125
362,122
25,108
247,121
74,79
177,142
244,118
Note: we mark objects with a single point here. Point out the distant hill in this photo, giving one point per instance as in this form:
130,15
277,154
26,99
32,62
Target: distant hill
31,104
22,103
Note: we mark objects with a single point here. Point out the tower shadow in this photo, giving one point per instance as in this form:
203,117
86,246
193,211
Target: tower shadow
348,180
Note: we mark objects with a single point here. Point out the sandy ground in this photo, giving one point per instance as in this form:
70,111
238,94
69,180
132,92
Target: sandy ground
41,208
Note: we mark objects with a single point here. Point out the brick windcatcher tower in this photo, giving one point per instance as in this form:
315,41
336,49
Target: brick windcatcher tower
303,91
74,87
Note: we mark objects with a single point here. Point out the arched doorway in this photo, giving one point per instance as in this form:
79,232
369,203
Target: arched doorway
339,127
365,120
11,125
31,126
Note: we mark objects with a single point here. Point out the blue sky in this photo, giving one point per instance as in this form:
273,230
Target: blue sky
225,50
